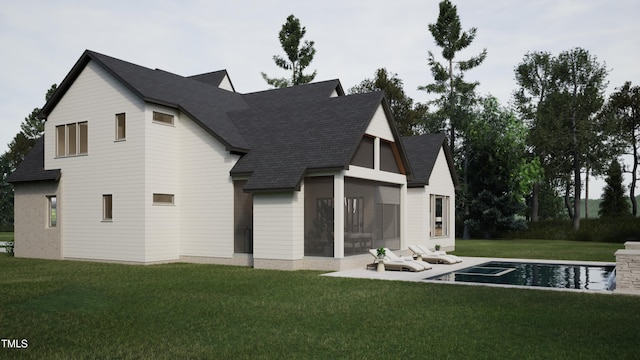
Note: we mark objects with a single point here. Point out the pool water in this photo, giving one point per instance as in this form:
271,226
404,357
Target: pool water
567,276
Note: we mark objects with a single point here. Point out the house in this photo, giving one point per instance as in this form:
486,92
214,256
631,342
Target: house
145,166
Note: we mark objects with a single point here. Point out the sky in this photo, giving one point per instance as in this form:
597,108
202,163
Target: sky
42,39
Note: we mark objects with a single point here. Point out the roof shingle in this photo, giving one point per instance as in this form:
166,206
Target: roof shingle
32,166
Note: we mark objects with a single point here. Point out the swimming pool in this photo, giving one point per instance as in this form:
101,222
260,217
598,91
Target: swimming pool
565,276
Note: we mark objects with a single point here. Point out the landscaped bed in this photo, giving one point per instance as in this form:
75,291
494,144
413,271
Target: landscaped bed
69,309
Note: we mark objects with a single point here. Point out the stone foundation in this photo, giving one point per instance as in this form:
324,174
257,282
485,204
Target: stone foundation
628,269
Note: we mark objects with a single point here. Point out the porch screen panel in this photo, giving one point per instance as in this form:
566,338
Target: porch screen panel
318,216
242,219
372,216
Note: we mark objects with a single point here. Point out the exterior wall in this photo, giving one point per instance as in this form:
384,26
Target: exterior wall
379,126
418,221
441,183
33,236
162,176
110,167
225,84
206,200
278,223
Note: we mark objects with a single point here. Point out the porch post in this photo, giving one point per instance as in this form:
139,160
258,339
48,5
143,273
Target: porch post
338,215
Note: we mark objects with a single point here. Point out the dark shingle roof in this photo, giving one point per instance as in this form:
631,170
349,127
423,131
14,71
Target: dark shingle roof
290,139
294,94
32,167
280,133
207,105
422,151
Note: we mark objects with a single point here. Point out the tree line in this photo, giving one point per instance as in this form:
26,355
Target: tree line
525,161
518,163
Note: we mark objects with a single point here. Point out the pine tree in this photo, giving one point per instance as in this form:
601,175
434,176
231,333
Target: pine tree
299,57
614,203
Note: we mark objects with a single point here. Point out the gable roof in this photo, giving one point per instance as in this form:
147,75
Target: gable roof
423,152
32,166
290,139
207,105
280,133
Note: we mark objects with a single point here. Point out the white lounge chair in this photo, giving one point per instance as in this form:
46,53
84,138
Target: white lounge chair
401,265
432,257
395,257
424,251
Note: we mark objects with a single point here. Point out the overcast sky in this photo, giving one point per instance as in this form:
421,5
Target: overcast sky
41,40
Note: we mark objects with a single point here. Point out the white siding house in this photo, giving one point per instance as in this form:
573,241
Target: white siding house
145,166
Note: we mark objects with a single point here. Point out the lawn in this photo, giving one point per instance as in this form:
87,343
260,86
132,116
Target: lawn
539,249
6,236
68,309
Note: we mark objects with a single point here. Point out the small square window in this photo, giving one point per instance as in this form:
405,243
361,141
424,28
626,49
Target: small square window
121,127
107,207
52,211
162,118
163,199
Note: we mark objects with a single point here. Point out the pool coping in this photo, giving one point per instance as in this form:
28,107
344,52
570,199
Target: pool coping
441,269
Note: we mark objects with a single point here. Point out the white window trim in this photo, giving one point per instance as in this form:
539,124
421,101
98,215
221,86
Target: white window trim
445,215
164,203
124,137
50,207
104,208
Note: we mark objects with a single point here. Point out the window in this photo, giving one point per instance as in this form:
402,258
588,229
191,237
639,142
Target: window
61,148
53,211
439,215
364,154
389,157
162,118
107,207
121,127
163,199
72,139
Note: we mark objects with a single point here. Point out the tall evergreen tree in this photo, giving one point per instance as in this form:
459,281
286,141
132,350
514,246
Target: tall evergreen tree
299,57
622,115
456,96
614,203
31,129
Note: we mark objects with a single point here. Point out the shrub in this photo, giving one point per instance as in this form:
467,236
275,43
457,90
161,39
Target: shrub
602,230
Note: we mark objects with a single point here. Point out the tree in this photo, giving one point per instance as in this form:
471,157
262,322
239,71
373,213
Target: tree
299,57
499,173
622,115
408,116
578,94
31,129
559,96
534,79
456,95
6,194
613,202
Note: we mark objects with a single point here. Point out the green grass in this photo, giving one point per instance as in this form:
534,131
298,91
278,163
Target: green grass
73,310
6,236
539,249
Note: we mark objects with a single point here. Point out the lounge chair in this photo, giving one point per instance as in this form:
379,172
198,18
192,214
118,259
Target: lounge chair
395,257
439,256
400,265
